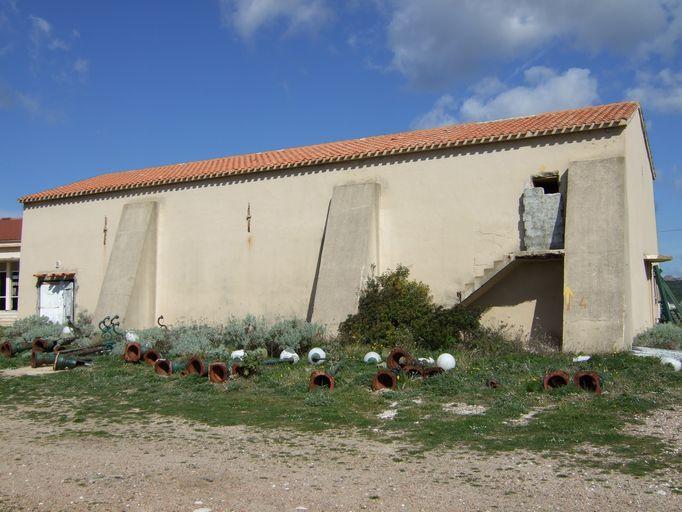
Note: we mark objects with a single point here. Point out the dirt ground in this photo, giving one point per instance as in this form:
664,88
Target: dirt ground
171,465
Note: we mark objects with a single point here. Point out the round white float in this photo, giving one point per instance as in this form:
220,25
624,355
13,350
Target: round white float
289,354
237,355
67,331
675,363
372,357
316,355
132,337
446,361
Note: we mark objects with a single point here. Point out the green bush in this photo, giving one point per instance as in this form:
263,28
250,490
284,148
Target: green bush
32,327
249,333
393,307
667,336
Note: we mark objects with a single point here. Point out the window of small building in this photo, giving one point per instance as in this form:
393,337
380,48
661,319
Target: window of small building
550,184
9,285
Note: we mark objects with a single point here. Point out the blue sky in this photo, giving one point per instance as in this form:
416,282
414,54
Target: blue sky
90,87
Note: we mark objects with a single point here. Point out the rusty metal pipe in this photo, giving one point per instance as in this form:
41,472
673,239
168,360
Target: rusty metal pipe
384,379
151,356
43,344
195,366
42,358
556,379
589,381
218,372
65,362
166,367
398,358
432,371
12,348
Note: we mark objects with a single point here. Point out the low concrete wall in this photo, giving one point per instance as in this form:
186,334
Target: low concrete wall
595,260
350,250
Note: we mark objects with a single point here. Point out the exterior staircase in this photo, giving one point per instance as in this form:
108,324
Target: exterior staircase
499,269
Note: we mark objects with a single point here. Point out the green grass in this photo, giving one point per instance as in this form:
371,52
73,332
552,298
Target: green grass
569,420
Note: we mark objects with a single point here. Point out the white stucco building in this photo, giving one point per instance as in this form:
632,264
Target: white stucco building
547,220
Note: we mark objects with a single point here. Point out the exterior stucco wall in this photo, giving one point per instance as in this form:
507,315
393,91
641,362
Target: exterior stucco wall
445,214
528,301
641,237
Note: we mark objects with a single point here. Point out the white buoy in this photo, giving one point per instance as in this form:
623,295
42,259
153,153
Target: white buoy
67,331
237,355
132,337
289,354
446,361
675,363
316,355
372,357
426,360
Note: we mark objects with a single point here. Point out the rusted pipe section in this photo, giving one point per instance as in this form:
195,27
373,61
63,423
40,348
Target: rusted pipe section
320,379
239,370
132,352
218,372
42,358
12,348
195,366
66,362
556,379
414,371
432,371
493,383
399,358
166,367
151,356
43,345
384,379
589,381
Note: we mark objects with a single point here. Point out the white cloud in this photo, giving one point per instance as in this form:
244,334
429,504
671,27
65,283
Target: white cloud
442,113
40,27
435,42
544,90
662,92
81,66
248,16
58,44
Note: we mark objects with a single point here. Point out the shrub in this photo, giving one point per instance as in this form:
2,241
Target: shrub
246,333
294,334
33,327
667,336
393,307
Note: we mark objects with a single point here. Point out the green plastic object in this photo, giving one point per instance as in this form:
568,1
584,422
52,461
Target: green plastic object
668,314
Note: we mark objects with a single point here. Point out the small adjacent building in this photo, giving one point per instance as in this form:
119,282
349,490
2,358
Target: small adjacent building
547,221
10,253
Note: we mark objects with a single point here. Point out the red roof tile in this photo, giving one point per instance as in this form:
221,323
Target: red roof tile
10,230
582,119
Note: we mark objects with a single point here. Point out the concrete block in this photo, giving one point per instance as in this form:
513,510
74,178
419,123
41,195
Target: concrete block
129,285
595,259
543,223
351,247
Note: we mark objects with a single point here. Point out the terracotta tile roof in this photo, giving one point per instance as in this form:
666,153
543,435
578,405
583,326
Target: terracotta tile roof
589,118
10,230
